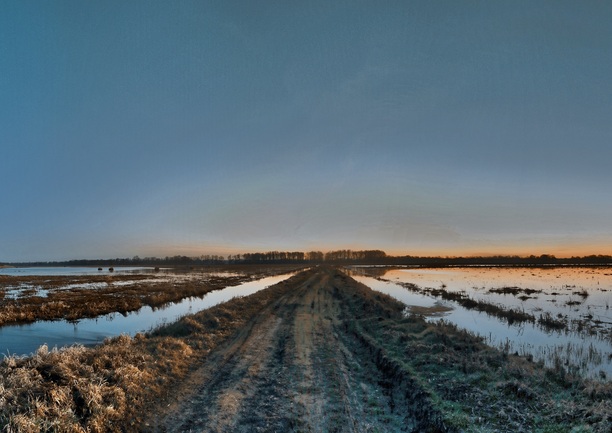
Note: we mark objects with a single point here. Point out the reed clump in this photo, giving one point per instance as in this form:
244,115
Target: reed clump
82,389
515,291
547,321
508,314
76,389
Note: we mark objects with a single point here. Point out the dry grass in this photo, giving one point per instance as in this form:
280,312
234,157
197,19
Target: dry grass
76,389
111,387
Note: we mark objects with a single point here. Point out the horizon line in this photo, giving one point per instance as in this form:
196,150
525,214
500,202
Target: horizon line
225,257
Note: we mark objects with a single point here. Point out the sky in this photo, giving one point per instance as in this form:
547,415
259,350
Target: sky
157,128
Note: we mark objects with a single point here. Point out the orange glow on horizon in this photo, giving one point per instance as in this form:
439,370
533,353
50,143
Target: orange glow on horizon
560,251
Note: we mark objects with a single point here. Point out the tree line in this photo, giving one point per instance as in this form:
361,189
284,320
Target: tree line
346,256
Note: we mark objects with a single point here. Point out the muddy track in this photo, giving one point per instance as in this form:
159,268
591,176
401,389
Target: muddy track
294,368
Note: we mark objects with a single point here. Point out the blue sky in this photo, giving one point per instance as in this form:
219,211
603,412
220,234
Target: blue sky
195,127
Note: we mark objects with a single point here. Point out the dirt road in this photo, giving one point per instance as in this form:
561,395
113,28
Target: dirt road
330,355
292,369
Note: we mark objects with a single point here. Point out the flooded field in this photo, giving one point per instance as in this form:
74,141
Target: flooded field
31,284
559,315
71,270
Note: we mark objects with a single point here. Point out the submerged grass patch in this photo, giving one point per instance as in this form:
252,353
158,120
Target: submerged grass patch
586,325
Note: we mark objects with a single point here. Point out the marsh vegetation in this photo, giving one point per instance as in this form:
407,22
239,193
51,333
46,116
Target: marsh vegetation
29,298
559,315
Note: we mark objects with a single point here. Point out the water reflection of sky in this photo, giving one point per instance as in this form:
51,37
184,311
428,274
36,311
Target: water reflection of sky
526,338
70,270
559,287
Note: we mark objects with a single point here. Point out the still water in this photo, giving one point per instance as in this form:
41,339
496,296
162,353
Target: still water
25,339
70,271
581,297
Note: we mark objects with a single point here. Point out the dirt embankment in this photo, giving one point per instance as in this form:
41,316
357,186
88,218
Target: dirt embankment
317,352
